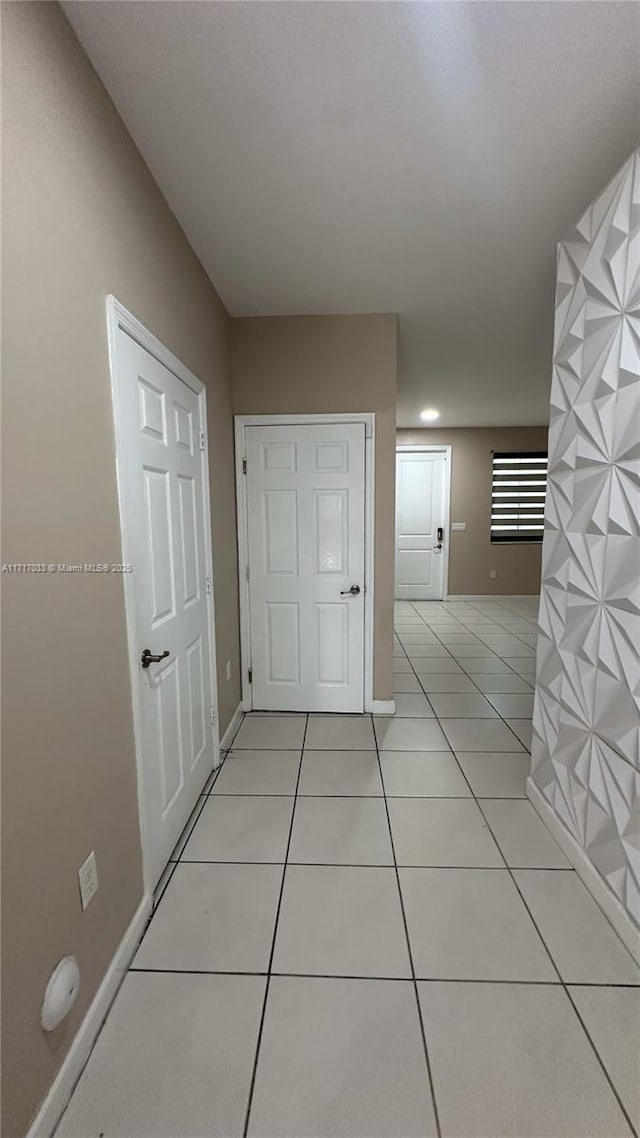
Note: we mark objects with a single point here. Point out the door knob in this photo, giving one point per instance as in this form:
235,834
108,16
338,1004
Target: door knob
148,657
352,592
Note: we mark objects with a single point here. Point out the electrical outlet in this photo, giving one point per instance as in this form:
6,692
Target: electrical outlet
458,526
493,574
88,879
228,670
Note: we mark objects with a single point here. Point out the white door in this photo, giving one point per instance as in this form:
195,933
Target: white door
420,524
306,540
161,472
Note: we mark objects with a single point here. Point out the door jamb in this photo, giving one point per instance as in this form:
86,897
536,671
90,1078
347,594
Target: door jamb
447,449
241,422
120,319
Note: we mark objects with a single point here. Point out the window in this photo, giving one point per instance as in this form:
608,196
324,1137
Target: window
519,485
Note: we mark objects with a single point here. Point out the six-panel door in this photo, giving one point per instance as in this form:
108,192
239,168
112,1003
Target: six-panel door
306,539
420,484
161,477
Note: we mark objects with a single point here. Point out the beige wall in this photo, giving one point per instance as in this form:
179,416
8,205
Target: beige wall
82,218
471,554
319,364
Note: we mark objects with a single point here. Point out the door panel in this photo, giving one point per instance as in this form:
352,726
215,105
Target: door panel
305,510
165,697
283,643
188,540
420,506
162,499
196,674
281,531
331,508
332,634
160,559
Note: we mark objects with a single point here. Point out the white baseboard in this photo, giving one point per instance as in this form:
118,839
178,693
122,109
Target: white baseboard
382,707
229,735
73,1063
613,910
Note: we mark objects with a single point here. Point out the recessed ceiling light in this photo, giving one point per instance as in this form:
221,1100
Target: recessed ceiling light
429,415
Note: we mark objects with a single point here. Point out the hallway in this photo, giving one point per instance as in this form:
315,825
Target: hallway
366,931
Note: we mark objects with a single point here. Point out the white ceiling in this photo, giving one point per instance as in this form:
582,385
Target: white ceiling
400,157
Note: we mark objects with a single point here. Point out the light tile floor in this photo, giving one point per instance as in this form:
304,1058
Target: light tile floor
367,932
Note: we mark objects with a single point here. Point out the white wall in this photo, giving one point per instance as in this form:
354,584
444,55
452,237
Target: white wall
586,749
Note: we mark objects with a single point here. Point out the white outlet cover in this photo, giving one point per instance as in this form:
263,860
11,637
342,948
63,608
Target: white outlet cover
228,670
88,879
459,525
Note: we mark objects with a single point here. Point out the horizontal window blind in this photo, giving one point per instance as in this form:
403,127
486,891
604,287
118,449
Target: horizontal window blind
519,486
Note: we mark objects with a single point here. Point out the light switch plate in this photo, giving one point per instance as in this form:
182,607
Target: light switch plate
88,879
458,525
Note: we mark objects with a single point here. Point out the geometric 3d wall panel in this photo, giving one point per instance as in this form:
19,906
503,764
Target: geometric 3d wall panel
586,744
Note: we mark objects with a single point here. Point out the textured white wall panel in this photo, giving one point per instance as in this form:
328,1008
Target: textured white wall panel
586,744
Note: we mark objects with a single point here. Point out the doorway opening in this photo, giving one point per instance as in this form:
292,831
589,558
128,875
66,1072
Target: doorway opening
305,539
423,490
165,517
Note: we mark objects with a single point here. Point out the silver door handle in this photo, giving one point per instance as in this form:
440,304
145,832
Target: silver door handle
352,592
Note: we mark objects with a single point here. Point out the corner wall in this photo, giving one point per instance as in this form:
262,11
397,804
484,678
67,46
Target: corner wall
82,218
586,741
320,364
471,554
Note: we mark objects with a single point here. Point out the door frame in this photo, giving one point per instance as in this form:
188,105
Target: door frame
241,422
119,319
404,448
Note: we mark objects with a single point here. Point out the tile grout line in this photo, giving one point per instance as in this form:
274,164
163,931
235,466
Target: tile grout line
409,951
480,798
487,695
154,909
386,979
395,865
561,981
563,984
600,1060
530,681
273,939
286,862
462,669
469,629
469,675
387,865
389,751
190,826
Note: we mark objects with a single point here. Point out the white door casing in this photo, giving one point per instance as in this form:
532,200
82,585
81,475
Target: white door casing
305,515
422,483
160,421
